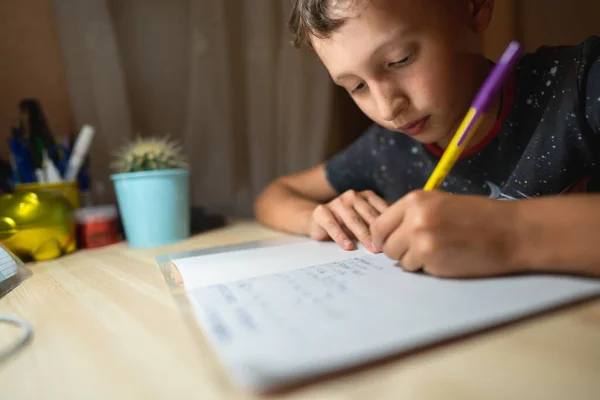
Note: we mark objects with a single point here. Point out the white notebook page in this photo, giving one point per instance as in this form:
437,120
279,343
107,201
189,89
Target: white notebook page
276,315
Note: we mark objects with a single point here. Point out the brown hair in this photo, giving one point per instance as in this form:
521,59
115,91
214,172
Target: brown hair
313,17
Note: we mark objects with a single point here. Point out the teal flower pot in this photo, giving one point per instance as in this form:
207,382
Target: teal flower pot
154,206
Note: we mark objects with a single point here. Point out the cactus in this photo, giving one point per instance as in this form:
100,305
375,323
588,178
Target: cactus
147,154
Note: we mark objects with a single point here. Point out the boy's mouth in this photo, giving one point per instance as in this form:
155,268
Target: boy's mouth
414,128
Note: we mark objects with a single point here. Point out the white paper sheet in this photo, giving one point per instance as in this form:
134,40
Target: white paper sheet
224,267
282,314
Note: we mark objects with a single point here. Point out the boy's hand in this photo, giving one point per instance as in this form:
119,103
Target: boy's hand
449,235
347,216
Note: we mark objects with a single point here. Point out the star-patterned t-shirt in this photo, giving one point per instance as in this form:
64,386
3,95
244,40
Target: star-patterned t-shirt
546,140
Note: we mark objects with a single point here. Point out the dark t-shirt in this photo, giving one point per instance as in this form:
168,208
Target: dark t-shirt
546,140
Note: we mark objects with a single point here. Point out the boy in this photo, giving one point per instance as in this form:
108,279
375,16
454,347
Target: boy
413,67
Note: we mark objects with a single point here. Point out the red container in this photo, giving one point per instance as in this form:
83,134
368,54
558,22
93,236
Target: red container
97,226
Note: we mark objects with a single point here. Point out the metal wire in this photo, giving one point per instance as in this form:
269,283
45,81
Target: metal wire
27,333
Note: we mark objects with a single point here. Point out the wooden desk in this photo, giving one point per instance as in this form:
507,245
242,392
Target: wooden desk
107,327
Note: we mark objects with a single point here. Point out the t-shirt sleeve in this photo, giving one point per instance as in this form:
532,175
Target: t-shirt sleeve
589,83
352,168
592,103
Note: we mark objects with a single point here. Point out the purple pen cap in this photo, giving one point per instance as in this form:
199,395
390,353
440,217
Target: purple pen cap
497,77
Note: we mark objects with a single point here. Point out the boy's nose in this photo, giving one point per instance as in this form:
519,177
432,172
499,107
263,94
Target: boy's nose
389,103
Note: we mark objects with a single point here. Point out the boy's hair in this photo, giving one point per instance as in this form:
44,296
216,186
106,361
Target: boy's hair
313,17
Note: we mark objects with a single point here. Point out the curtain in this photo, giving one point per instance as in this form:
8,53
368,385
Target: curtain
219,76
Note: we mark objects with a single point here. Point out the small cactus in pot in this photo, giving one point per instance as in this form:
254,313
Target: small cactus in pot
152,188
149,154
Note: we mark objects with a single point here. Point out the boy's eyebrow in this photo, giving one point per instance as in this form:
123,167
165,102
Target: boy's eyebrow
392,38
342,77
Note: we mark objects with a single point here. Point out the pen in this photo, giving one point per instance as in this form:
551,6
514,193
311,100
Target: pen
51,172
22,160
39,128
474,116
79,152
16,179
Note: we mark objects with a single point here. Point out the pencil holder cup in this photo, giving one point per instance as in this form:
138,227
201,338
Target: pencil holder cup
69,190
154,206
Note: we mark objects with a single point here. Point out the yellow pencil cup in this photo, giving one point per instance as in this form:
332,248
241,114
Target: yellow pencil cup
69,190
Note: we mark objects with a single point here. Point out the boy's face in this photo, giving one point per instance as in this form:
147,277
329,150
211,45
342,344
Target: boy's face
412,66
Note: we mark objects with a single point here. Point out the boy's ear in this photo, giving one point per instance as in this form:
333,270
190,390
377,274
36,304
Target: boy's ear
481,14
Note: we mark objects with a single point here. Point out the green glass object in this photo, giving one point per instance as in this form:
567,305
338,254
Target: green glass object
37,225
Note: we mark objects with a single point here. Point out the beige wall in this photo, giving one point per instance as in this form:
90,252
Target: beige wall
541,22
31,66
558,22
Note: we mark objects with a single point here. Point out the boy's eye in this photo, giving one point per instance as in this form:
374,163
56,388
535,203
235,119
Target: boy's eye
358,87
406,60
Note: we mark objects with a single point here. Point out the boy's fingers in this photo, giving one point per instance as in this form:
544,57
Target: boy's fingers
397,247
387,223
410,262
355,223
325,218
377,202
366,210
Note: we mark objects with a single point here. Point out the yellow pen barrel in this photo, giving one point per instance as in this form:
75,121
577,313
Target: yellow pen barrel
469,124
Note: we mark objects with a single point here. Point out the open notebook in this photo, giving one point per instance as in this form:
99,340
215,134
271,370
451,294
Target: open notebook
291,310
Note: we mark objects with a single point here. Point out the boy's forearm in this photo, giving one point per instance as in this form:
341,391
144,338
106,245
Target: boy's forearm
559,234
281,208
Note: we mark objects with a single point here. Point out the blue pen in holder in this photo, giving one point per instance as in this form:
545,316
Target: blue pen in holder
22,160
